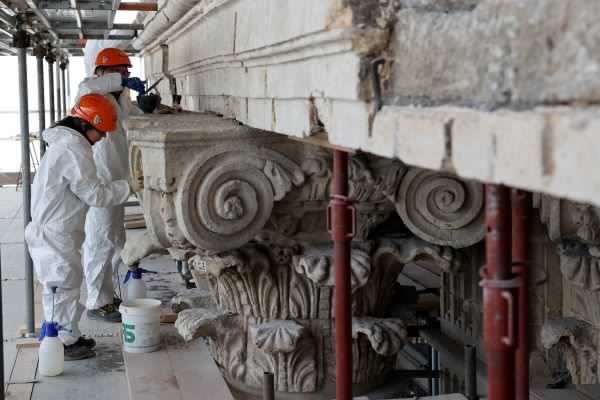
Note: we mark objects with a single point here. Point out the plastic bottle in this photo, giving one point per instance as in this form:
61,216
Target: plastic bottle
135,288
52,351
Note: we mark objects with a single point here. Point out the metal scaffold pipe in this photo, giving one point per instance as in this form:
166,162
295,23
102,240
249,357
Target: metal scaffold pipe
63,66
471,372
2,391
341,221
268,386
499,295
39,53
58,101
21,42
521,206
50,60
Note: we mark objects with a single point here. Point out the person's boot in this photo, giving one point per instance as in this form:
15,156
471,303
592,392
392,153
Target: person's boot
78,351
86,341
117,302
108,313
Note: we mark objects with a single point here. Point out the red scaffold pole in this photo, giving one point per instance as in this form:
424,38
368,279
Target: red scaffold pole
341,227
499,296
521,206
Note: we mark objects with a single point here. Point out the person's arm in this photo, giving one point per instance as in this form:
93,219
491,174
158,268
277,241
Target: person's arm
80,171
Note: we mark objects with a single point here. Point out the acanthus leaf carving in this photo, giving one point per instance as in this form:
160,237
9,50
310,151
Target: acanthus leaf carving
576,341
277,336
386,335
576,229
199,322
316,263
405,250
580,264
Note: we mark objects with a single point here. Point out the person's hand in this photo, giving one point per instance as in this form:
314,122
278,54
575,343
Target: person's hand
135,84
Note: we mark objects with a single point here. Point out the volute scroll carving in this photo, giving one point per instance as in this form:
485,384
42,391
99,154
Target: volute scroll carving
441,208
226,196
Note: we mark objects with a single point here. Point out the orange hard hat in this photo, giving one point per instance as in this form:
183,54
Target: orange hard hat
111,57
96,110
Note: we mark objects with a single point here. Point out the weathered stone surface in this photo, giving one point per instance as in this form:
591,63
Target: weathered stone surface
277,336
197,322
576,229
193,298
490,54
501,53
548,149
577,341
247,211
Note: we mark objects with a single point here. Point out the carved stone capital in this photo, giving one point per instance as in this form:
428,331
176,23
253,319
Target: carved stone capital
575,227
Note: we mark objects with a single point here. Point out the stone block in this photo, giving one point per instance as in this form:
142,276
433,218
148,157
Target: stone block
498,53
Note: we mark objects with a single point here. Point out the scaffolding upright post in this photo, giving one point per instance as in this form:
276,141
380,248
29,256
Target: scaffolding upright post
39,53
500,334
521,206
341,227
58,101
21,42
63,66
50,61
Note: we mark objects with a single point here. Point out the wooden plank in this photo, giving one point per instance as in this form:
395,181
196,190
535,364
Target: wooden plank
178,371
168,317
150,376
28,343
196,371
24,370
139,224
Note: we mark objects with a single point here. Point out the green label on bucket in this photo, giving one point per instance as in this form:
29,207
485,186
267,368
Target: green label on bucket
128,333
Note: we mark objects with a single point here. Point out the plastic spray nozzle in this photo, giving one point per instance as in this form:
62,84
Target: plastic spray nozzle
49,329
137,273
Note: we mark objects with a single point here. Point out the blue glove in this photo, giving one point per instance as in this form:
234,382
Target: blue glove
136,84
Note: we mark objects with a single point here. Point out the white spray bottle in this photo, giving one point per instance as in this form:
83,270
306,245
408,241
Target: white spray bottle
135,288
52,351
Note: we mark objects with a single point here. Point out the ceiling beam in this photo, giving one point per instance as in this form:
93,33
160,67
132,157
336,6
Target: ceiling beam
66,5
89,25
7,48
6,18
129,6
42,17
111,17
78,18
68,36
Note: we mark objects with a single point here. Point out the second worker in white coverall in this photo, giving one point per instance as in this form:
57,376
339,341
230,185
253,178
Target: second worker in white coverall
104,230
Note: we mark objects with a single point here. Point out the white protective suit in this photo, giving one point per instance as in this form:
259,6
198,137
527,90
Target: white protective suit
104,230
65,185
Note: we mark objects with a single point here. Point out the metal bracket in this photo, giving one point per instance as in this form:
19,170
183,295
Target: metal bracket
376,82
352,210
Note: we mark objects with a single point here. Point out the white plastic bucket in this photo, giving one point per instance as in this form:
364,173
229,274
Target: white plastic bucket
140,325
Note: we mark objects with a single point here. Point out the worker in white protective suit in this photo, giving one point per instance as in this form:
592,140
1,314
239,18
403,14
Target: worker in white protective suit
65,185
104,229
